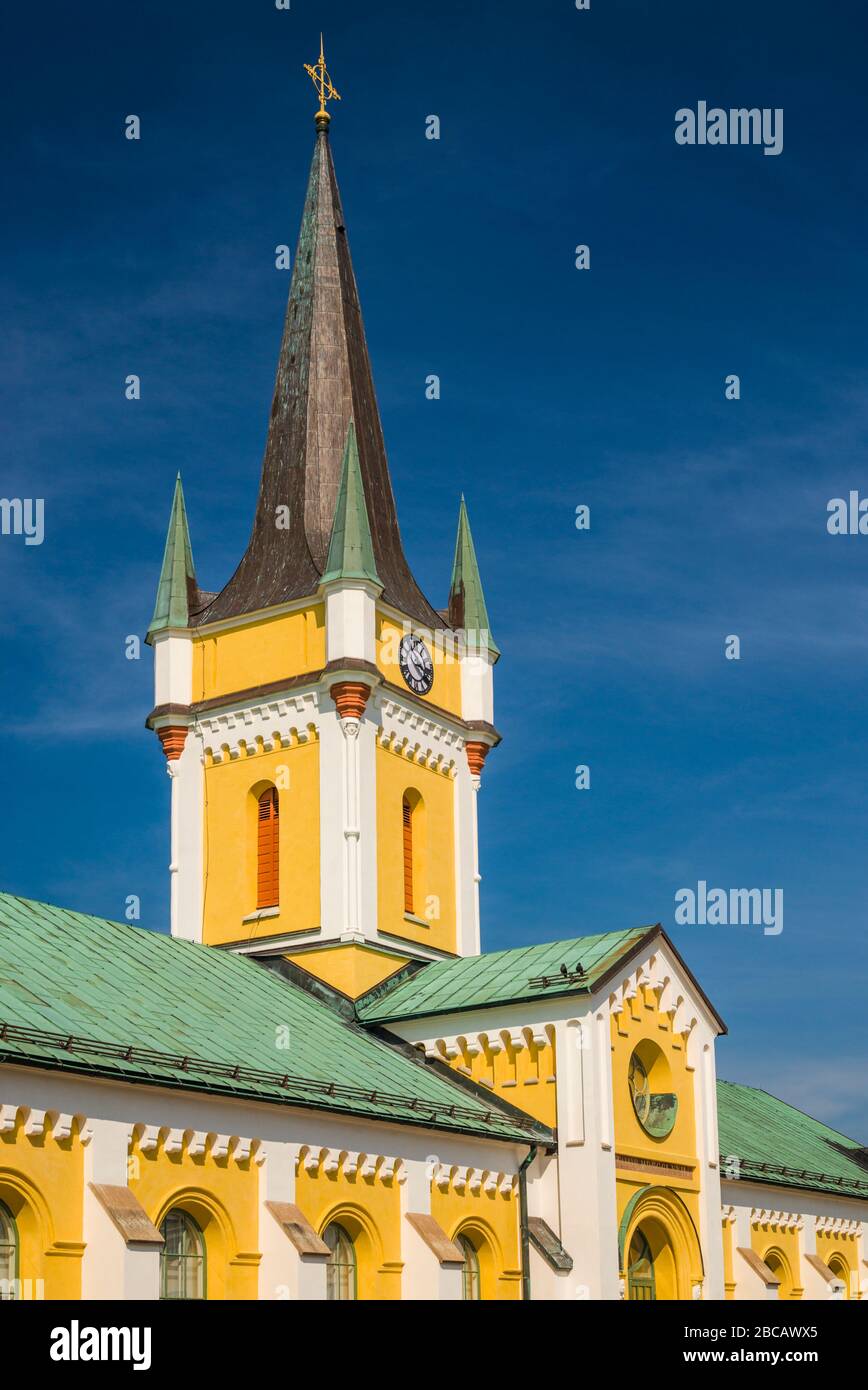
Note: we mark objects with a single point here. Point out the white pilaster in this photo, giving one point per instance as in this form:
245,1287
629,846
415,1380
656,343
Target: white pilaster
283,1273
112,1269
424,1278
466,861
186,864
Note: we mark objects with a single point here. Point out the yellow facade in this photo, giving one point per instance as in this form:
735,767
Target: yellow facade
657,1178
351,969
42,1186
490,1221
840,1251
432,922
369,1210
221,1195
524,1076
446,690
266,649
232,790
779,1248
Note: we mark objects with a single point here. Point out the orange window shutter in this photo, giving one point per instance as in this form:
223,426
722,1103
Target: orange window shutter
408,857
268,852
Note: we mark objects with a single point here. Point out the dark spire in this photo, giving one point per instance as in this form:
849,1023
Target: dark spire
323,381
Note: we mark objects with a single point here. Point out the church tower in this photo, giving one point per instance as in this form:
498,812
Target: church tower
324,726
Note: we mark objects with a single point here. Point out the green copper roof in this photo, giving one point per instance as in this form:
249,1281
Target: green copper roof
351,550
775,1143
467,610
501,977
177,577
82,994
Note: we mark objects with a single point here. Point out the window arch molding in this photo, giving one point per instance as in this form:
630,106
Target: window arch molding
489,1253
218,1233
367,1242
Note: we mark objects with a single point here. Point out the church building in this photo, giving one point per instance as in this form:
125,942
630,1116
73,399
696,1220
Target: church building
316,1085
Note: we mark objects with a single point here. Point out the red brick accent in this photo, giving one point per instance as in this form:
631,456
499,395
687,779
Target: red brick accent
350,698
476,755
173,738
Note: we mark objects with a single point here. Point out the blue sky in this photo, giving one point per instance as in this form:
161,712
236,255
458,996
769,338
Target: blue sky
559,387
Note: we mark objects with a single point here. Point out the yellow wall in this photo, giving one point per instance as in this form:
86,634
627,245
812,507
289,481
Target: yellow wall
779,1249
446,690
436,895
369,1209
231,791
843,1250
42,1185
351,969
266,649
641,1024
523,1076
491,1221
222,1196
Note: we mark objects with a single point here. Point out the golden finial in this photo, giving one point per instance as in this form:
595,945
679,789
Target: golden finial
323,84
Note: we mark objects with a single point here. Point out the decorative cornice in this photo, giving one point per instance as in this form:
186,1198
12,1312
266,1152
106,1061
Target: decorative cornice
353,1166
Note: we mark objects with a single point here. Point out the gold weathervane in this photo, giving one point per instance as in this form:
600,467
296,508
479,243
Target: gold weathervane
322,82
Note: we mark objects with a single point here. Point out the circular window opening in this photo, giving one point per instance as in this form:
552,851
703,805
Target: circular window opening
655,1104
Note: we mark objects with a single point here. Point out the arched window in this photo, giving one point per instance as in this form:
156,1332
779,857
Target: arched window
407,811
182,1260
341,1281
470,1285
641,1285
8,1255
267,850
841,1270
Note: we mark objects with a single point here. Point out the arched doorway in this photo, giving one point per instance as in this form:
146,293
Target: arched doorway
659,1250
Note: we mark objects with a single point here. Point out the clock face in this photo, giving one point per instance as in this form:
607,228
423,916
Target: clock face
417,668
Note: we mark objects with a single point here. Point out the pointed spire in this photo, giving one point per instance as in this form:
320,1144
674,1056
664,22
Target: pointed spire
323,381
467,609
177,590
351,550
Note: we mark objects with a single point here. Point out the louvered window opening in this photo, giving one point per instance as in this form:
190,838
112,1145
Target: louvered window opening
268,851
408,856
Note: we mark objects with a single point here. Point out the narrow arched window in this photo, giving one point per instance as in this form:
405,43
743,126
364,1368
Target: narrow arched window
341,1269
407,811
8,1255
267,850
470,1285
182,1260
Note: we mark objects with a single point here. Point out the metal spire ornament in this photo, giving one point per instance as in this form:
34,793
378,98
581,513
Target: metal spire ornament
324,87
